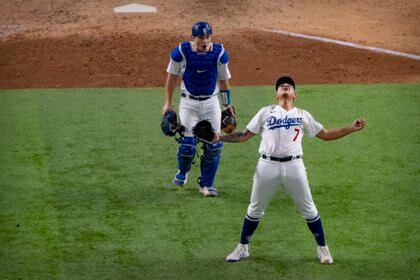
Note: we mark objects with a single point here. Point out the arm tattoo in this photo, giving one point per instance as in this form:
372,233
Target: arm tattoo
239,136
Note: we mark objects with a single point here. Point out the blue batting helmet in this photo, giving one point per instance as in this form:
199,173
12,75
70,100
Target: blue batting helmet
201,28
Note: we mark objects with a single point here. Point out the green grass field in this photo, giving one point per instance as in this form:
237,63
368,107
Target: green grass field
85,190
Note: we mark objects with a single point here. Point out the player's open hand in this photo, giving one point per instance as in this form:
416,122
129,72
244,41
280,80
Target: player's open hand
358,124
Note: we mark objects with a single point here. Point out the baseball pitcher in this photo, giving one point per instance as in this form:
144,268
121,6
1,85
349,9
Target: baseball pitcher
282,127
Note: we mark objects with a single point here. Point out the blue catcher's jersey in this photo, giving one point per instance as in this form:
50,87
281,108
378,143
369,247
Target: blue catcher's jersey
200,75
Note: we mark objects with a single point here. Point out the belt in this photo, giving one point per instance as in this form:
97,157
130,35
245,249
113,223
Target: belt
194,97
283,159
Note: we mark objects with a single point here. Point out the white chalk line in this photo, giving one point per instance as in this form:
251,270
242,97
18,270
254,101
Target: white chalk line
349,44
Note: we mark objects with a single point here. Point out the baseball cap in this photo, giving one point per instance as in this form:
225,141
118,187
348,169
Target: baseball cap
285,80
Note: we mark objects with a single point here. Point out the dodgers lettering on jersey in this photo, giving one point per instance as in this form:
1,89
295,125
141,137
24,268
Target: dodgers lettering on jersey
286,122
282,130
201,68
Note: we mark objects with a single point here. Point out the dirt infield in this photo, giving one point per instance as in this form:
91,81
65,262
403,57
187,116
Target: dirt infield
77,44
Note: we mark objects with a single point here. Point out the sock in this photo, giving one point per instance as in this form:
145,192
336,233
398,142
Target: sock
248,228
315,225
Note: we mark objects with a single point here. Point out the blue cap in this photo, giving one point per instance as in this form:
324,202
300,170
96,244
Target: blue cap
201,28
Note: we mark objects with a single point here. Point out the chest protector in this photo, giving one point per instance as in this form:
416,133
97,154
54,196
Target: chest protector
200,76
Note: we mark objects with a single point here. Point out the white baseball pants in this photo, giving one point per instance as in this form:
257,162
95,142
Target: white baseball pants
270,176
192,111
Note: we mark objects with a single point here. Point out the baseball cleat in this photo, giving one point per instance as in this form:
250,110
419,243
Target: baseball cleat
324,255
208,192
240,252
180,179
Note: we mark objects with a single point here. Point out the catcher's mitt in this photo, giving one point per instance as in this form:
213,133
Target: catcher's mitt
170,125
228,124
203,131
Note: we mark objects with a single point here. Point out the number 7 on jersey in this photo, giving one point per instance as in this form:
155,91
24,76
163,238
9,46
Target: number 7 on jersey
297,133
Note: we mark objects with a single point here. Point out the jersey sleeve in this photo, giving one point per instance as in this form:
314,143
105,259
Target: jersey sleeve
176,62
224,58
223,72
174,67
176,54
222,66
310,125
256,125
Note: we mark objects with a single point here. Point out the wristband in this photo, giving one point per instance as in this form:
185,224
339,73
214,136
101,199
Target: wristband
225,95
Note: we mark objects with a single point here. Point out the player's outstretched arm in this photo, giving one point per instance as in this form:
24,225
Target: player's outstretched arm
335,133
235,137
170,87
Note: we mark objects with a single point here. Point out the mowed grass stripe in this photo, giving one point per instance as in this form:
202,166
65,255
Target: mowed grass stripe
29,235
86,174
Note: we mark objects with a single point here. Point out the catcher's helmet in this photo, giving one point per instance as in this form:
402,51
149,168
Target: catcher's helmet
201,28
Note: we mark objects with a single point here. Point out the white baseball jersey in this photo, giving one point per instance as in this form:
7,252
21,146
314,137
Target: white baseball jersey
282,133
282,130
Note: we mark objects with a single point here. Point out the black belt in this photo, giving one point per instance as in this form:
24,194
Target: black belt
283,159
194,97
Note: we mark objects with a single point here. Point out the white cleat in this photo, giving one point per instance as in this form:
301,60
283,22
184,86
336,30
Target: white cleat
324,255
240,252
208,192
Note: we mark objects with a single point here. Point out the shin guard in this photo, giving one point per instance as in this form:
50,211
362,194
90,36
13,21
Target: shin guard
210,163
186,153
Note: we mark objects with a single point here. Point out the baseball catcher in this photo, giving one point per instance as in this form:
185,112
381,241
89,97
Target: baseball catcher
203,67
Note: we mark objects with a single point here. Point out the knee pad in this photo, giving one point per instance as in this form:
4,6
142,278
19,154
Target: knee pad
186,153
212,149
187,147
